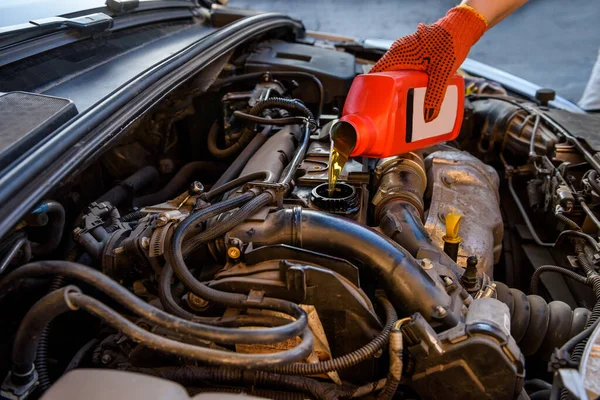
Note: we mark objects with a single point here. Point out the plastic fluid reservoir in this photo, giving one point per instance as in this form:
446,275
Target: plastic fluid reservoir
383,114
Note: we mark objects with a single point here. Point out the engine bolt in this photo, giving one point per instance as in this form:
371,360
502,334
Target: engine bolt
145,242
234,253
441,311
119,250
106,358
196,303
426,263
139,289
162,220
447,180
196,188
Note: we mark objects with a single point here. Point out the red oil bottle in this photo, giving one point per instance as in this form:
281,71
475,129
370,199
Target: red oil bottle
386,111
383,116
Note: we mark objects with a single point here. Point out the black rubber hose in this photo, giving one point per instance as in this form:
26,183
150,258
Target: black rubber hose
290,170
539,327
217,191
192,376
593,180
278,74
291,105
187,351
523,212
236,167
33,324
186,174
351,359
41,358
170,305
152,314
362,391
205,214
581,336
56,223
407,284
80,355
569,223
217,230
175,257
594,280
129,186
168,302
535,278
540,395
578,235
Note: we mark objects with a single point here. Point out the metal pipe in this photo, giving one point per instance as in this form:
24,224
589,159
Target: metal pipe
589,213
298,156
14,250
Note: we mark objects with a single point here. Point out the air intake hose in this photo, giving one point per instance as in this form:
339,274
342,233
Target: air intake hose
407,284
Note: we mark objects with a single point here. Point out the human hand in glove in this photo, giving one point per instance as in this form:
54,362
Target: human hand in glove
438,49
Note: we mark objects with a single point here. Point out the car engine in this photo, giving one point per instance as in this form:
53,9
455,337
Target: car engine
202,247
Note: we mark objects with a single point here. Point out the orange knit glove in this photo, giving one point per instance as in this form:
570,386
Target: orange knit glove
438,49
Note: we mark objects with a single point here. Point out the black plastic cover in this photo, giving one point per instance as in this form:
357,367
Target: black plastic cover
27,118
335,69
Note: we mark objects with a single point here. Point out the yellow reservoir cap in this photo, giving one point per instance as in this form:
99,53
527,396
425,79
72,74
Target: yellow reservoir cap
452,227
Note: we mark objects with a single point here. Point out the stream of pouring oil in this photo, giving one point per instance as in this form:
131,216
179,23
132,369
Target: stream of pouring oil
343,140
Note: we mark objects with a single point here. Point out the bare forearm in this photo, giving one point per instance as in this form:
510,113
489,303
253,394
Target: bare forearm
494,11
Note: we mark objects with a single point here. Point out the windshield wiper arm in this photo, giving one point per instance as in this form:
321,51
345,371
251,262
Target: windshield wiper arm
85,24
91,23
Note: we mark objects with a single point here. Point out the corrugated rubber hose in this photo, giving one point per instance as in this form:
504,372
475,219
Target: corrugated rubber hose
537,326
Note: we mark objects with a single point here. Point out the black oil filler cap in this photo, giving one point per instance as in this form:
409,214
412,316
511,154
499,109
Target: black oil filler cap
28,118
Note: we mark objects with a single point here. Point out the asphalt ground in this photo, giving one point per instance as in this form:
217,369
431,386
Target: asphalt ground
552,43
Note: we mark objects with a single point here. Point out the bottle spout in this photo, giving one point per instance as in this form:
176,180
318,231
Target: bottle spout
356,130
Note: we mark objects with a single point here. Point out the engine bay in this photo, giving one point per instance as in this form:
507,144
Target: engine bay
204,248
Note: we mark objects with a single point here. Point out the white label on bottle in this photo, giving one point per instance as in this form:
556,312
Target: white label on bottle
443,124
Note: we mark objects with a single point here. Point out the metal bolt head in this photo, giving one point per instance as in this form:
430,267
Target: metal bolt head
162,220
441,311
145,242
195,302
448,281
119,250
447,180
234,253
106,358
426,263
139,289
196,188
